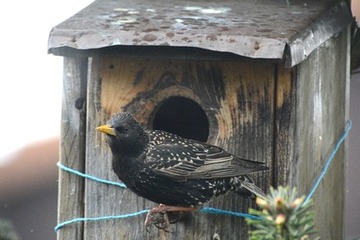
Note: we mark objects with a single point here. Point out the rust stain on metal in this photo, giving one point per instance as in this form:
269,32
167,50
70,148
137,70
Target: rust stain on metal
150,37
256,45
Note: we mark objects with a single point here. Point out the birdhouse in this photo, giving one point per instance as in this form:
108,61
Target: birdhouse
265,80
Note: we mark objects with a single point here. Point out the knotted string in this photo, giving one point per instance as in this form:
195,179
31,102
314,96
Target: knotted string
205,209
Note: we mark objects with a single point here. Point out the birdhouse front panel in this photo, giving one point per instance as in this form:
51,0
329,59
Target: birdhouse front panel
238,104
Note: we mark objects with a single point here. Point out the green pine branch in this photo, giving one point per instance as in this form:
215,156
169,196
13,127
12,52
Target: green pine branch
283,217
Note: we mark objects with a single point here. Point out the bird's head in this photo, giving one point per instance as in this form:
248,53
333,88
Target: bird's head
125,135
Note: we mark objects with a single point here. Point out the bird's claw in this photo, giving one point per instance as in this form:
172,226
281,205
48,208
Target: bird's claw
159,217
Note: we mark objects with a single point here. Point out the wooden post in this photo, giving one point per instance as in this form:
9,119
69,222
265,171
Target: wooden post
72,151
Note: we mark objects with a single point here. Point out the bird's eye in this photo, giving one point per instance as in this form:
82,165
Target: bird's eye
122,129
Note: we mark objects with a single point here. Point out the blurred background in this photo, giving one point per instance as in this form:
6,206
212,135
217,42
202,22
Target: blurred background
30,103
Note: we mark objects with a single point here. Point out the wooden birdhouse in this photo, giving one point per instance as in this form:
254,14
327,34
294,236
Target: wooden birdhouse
265,80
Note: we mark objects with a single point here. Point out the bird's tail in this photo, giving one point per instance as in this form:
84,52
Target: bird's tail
249,185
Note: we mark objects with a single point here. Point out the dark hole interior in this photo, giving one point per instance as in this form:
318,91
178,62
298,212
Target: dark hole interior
183,117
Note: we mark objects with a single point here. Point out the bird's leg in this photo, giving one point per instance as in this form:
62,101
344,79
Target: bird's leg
159,215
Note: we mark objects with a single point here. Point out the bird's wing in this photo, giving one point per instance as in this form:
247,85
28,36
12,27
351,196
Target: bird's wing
198,161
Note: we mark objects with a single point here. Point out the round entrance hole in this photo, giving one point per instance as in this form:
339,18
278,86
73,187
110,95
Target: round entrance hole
183,117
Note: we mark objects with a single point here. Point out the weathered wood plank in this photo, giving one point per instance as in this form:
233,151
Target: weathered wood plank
285,120
335,109
238,102
72,153
102,199
322,114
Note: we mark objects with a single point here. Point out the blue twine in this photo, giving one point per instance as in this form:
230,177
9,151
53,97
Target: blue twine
231,213
84,175
99,218
205,209
328,162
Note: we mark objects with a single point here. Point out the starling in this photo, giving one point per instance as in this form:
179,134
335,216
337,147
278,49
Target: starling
180,174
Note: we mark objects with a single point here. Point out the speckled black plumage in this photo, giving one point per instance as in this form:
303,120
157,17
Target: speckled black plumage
171,170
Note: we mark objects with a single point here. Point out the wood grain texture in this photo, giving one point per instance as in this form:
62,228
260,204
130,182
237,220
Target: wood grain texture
322,111
238,102
285,125
72,151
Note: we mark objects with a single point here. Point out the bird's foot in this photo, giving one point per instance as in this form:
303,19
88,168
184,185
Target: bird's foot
160,218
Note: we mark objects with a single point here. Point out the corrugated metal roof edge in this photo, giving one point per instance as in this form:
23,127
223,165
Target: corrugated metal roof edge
293,51
332,22
249,46
175,52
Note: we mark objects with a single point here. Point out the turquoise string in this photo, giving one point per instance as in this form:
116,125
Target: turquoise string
230,213
205,209
96,179
328,162
99,218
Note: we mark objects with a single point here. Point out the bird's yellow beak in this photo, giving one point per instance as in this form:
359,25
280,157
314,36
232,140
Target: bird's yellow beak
106,129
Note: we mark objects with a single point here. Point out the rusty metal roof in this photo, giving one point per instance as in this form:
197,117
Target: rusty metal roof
254,29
